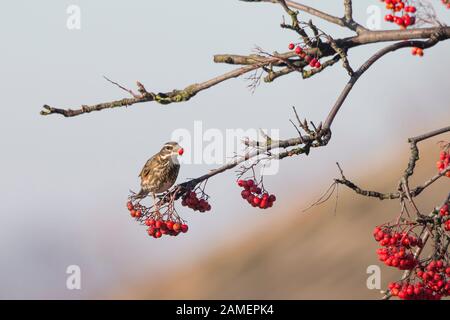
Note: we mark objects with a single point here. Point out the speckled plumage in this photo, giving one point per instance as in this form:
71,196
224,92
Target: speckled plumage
161,171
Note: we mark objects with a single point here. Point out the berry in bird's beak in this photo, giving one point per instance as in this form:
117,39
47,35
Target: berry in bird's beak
181,151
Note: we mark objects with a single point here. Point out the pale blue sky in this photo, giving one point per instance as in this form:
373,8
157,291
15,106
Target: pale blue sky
64,182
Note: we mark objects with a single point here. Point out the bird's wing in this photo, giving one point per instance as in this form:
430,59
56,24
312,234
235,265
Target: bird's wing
148,167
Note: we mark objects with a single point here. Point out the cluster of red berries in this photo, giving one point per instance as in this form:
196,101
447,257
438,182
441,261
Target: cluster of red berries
255,196
396,248
446,3
444,161
158,228
433,283
408,291
313,62
134,212
402,13
436,276
191,200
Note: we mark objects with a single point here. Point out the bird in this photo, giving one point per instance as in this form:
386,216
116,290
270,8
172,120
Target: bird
160,171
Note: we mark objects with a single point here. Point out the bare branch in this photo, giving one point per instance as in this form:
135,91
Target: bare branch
403,190
253,62
366,193
429,135
317,13
161,98
364,67
348,10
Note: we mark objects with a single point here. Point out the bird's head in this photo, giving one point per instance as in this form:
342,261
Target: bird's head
172,150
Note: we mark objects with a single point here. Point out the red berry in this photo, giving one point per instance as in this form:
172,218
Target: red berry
399,21
263,204
129,205
151,231
412,9
291,46
313,62
169,225
184,228
376,230
176,227
406,20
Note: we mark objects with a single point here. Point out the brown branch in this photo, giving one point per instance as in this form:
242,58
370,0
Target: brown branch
162,98
392,195
418,190
367,193
263,148
317,13
254,62
348,10
415,156
311,72
403,190
252,59
429,135
365,66
394,35
273,75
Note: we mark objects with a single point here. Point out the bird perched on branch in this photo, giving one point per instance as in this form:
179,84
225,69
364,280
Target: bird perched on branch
160,171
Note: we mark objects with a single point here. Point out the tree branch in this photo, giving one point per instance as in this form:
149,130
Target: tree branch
403,190
288,61
365,66
317,13
161,98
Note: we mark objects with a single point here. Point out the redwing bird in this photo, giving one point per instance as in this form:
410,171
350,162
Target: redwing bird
160,171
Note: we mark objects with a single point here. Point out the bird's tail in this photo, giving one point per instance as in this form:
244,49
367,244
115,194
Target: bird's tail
141,194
